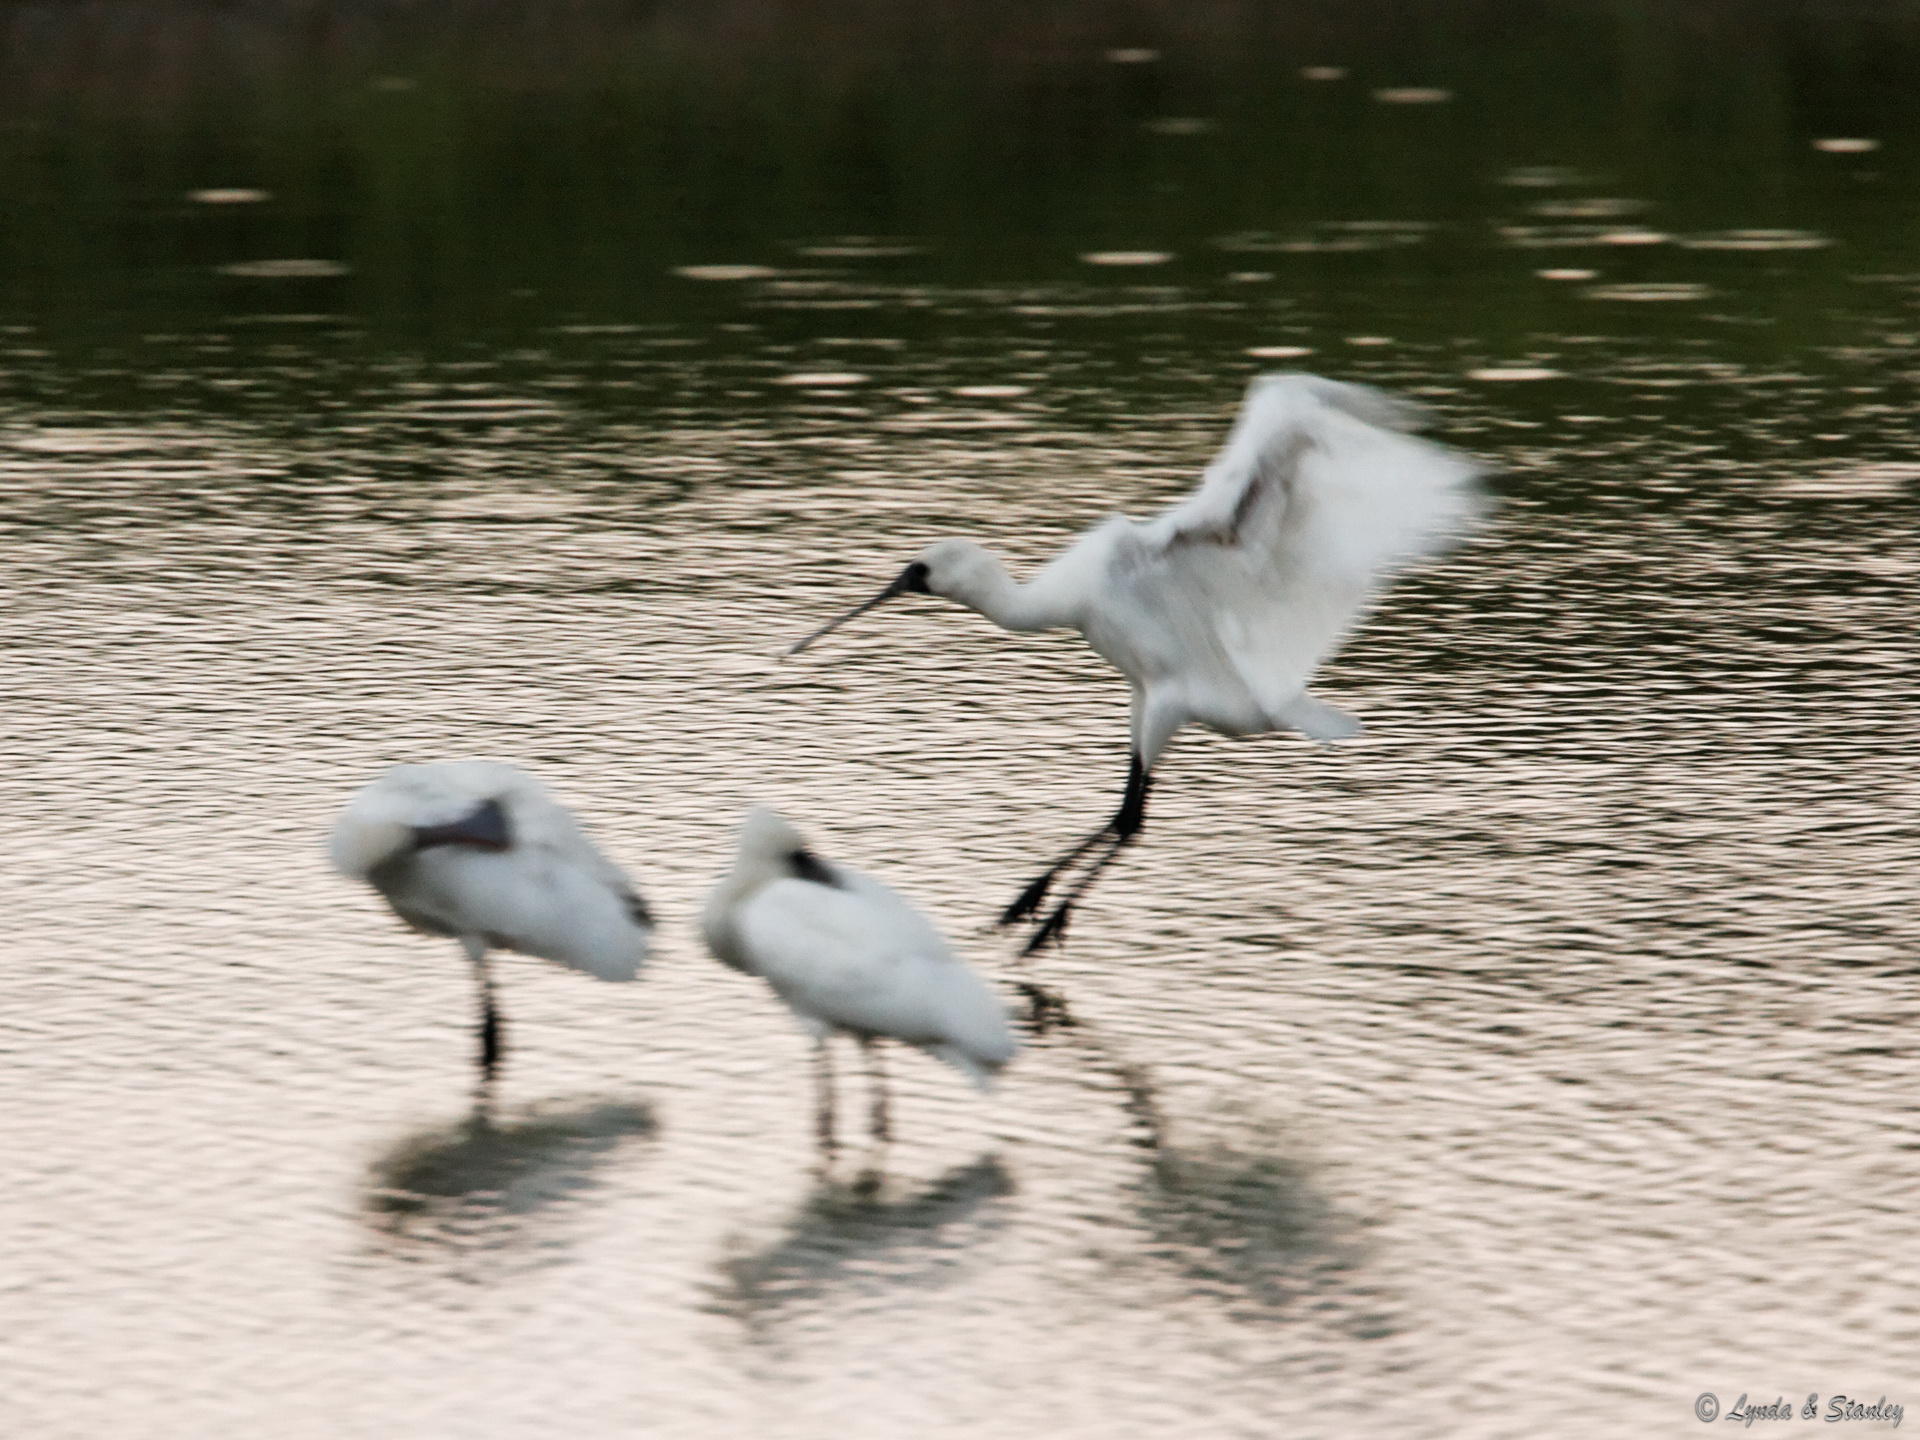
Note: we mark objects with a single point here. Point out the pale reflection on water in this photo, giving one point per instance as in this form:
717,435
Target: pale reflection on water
512,1168
1539,1060
855,1234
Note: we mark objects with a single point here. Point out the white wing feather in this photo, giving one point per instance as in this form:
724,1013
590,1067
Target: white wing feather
855,956
552,894
1323,476
1318,495
530,900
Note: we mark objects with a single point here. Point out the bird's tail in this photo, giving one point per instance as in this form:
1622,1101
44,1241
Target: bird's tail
982,1070
1318,720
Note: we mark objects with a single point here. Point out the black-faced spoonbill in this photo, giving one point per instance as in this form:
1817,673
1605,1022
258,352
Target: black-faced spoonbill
849,956
1219,609
481,852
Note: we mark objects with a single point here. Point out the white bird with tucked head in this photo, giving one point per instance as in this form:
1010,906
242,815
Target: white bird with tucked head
482,853
850,956
1220,609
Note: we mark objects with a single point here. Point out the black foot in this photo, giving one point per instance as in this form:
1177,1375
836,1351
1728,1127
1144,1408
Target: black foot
1046,1009
1031,899
1116,834
1052,931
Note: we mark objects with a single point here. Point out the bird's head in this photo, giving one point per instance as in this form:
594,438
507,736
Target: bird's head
361,843
766,833
957,569
412,807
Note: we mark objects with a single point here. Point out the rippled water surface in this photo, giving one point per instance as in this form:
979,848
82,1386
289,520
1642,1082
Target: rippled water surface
1533,1063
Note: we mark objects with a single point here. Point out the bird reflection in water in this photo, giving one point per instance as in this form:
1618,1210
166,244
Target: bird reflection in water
486,1178
1237,1211
843,1231
1245,1221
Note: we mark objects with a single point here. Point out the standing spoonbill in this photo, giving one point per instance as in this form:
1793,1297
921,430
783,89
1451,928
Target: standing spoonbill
1219,609
481,852
849,956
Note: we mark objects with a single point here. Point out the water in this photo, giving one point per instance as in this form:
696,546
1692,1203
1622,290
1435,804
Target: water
1530,1065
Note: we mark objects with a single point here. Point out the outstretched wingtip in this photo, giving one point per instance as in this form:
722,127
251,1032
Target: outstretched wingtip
1363,402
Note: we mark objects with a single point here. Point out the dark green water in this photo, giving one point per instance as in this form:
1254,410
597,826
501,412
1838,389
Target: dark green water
384,382
482,171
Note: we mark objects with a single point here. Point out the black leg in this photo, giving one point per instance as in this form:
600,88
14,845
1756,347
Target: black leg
492,1034
823,1081
1133,805
1034,896
489,1040
1053,930
1126,823
877,1084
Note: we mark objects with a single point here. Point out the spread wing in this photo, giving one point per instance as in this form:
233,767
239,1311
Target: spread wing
1318,496
1322,473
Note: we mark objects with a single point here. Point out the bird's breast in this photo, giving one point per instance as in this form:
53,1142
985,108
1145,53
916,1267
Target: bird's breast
1144,642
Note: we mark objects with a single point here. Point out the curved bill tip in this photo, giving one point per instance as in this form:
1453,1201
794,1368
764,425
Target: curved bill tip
912,580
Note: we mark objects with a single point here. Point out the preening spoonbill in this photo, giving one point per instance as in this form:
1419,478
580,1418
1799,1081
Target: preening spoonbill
483,853
850,956
1219,609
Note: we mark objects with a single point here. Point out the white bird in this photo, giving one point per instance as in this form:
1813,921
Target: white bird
849,956
1220,609
483,853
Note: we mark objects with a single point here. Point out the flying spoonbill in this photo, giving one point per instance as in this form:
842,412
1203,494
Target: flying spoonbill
483,853
1219,609
849,956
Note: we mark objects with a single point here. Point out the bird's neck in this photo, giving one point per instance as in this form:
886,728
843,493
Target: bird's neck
1039,604
718,919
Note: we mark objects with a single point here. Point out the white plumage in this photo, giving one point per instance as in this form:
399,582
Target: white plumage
1220,609
849,956
483,853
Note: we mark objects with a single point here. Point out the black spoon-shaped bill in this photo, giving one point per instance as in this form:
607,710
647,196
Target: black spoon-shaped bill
910,581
